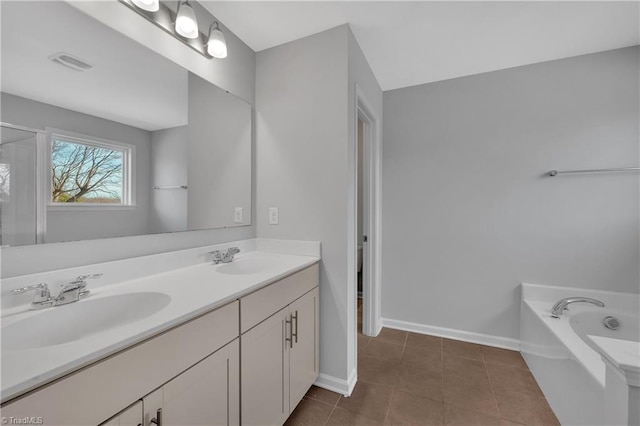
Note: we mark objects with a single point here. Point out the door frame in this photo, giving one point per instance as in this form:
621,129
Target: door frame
371,255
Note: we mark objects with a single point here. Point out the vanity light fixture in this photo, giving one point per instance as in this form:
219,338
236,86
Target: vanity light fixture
183,25
217,45
186,22
148,5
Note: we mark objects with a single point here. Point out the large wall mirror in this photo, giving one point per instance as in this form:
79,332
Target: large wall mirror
102,137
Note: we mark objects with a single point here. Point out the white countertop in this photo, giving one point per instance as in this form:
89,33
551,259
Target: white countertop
193,290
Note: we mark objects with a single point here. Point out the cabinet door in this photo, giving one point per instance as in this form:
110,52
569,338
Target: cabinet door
303,357
265,371
132,416
206,394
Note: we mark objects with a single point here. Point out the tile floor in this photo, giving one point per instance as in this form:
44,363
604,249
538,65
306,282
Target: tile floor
408,378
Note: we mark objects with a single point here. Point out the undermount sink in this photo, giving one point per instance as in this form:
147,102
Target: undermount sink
68,323
246,266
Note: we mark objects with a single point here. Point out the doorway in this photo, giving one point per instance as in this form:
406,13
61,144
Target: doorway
361,239
367,199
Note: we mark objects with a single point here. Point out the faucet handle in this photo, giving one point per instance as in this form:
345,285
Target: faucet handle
216,255
90,276
42,288
42,297
79,283
228,256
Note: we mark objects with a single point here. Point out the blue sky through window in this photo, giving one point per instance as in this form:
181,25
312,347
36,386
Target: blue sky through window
83,173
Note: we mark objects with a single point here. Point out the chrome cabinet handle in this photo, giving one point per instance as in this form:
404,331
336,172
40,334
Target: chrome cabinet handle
157,420
295,334
290,338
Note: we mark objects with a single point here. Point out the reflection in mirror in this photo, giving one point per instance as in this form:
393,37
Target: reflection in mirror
17,178
127,142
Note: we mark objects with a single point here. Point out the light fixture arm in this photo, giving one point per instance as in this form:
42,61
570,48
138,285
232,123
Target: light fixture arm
211,27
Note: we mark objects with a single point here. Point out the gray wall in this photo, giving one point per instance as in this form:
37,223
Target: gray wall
301,152
305,142
72,225
467,212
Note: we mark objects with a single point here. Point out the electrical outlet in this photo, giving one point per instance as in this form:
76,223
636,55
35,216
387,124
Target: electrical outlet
237,216
273,215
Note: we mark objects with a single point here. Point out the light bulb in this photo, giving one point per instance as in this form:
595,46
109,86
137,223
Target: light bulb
217,45
186,23
148,5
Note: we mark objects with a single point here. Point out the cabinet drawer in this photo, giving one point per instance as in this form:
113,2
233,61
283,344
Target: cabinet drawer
265,302
92,394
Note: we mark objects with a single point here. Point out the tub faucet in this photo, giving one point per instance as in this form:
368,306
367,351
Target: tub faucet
562,304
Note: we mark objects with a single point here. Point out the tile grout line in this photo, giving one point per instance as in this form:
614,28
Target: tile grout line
442,378
493,391
333,409
386,416
395,383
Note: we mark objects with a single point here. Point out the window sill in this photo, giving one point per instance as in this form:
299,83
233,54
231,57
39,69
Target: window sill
89,207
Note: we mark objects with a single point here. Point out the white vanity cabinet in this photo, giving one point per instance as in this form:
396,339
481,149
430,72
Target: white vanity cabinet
279,341
206,394
132,416
250,361
194,365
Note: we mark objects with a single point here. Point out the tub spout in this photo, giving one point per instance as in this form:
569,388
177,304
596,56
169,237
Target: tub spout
562,304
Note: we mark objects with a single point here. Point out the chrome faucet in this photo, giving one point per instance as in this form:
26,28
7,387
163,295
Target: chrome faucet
227,257
562,304
70,292
74,290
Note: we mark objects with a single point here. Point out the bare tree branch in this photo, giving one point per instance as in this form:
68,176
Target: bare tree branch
82,173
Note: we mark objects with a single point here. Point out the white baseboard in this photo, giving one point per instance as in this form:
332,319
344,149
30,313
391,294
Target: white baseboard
450,333
334,384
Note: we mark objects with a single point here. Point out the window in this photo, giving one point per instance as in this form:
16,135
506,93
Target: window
89,172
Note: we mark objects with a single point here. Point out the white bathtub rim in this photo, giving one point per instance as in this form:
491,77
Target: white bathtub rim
542,297
578,348
623,301
622,355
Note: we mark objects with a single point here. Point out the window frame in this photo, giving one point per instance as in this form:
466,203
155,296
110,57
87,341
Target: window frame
128,170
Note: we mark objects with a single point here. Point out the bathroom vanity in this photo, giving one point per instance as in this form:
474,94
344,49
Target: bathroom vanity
251,324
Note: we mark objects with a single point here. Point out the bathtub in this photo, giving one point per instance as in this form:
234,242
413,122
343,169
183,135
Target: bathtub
560,354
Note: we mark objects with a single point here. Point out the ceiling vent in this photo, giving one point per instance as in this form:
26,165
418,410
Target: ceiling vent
70,61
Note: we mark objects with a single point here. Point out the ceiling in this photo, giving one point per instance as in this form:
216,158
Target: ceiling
417,42
128,83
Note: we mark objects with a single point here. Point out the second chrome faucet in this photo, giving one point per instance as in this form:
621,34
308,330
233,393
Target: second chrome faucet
226,257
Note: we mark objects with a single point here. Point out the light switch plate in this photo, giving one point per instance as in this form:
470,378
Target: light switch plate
237,216
273,216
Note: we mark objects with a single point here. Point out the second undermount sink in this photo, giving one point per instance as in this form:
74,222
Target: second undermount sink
247,265
68,323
